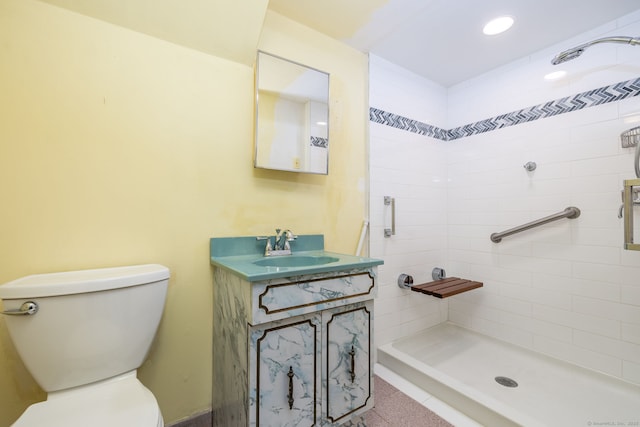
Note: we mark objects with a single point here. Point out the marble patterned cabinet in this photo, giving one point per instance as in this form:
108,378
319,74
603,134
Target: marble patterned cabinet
293,351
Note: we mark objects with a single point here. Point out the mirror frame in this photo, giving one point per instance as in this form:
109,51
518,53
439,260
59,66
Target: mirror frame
313,141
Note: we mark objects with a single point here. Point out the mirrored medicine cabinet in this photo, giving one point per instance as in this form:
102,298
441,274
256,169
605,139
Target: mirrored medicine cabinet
292,116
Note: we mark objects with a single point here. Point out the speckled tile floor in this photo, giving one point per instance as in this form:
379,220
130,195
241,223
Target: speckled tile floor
395,409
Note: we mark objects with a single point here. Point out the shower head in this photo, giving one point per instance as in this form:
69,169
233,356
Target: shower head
573,53
568,55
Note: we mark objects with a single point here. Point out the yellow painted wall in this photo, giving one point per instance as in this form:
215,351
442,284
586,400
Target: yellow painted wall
117,148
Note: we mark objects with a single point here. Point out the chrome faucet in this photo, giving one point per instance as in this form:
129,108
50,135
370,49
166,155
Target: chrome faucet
282,240
280,243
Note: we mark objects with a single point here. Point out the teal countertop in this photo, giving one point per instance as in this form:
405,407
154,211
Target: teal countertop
238,254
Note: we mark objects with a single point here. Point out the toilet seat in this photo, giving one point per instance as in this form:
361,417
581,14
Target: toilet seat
121,401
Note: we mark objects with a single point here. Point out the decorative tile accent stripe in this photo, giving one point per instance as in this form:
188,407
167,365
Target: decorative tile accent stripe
603,95
317,141
403,123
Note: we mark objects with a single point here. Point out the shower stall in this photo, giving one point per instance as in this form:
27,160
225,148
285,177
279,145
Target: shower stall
561,299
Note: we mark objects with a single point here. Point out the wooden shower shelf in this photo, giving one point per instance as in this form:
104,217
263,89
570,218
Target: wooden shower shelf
446,287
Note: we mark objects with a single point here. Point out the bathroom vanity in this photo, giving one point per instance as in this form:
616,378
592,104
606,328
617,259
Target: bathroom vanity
292,335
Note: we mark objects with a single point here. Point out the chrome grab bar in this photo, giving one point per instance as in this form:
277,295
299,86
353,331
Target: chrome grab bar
26,309
628,199
388,200
571,212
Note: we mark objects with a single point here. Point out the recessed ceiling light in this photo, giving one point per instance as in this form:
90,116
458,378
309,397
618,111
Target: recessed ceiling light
555,75
498,25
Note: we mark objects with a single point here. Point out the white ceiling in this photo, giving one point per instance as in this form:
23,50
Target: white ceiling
442,40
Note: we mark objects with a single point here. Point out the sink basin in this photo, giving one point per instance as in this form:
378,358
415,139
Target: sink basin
245,258
295,261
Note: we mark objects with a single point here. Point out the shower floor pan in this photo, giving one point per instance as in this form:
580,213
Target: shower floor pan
462,368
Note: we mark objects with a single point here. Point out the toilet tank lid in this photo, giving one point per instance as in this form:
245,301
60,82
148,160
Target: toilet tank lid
82,281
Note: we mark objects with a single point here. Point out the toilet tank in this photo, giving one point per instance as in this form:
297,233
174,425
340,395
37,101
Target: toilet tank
90,325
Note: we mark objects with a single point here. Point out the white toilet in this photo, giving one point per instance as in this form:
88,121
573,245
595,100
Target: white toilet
83,335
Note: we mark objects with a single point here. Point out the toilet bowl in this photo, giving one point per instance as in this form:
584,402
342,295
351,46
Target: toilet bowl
121,401
83,335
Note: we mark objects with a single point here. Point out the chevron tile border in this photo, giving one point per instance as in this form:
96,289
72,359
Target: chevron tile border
603,95
403,123
317,141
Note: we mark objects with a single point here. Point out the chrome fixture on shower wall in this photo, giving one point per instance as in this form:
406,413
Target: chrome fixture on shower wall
630,138
405,281
635,199
630,185
571,212
573,53
390,231
438,273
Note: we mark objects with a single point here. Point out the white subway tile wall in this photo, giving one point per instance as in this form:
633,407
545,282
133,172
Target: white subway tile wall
412,169
566,289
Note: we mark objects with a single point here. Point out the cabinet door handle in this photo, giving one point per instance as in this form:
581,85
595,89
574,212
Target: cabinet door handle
290,395
352,353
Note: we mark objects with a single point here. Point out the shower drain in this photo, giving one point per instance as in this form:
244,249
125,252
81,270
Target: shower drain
507,382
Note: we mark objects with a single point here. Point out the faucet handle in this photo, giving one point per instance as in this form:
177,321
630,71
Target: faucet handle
289,237
267,248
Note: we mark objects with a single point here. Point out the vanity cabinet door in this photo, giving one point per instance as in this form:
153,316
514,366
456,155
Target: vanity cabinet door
286,372
347,337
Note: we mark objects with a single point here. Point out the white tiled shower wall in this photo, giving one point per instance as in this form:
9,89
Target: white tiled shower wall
412,169
566,289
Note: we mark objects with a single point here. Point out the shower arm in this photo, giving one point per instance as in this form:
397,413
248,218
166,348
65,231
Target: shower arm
617,39
572,53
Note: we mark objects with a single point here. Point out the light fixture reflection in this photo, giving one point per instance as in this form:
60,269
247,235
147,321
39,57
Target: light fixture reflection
555,75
